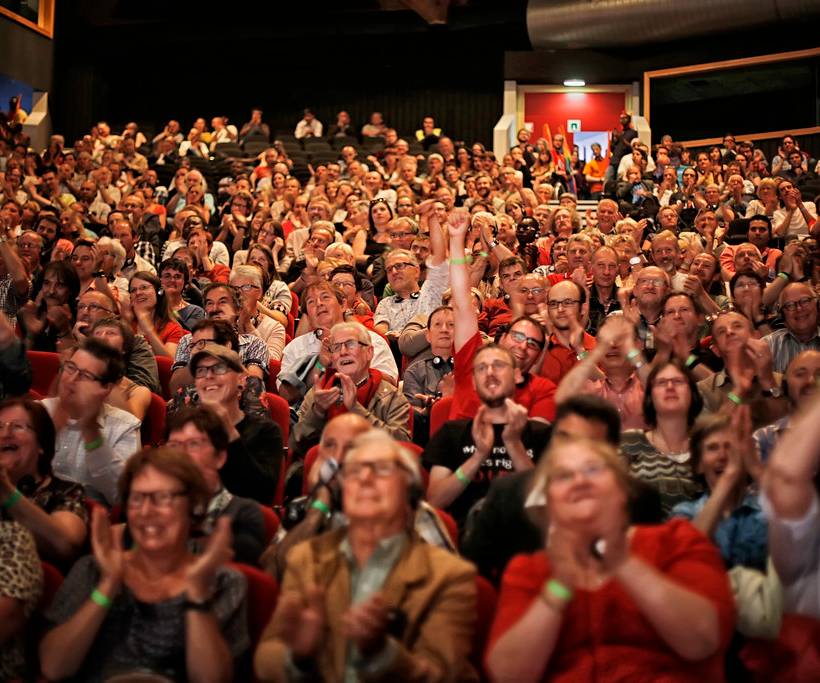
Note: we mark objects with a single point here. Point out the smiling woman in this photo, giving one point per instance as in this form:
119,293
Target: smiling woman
155,608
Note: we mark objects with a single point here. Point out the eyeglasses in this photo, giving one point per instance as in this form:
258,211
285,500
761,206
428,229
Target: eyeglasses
16,427
398,267
790,306
28,245
378,200
563,303
344,283
588,471
195,346
496,365
191,444
217,370
347,345
92,308
247,288
158,499
675,382
380,468
652,282
70,368
535,291
520,338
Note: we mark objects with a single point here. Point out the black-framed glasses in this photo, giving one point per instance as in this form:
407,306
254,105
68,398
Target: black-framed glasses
398,267
520,338
380,468
347,345
804,302
158,499
563,303
70,368
217,370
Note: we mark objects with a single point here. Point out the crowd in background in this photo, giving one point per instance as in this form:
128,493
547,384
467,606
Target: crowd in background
533,418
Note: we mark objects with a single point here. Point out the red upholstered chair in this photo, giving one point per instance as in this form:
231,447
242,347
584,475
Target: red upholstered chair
263,592
439,414
485,610
164,368
279,411
273,372
794,657
310,460
449,524
271,523
52,580
152,431
44,368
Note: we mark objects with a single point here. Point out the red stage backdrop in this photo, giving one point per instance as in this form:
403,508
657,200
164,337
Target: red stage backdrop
597,111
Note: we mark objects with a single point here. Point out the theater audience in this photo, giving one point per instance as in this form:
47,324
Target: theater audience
333,620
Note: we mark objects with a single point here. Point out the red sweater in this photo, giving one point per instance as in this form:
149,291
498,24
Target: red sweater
603,636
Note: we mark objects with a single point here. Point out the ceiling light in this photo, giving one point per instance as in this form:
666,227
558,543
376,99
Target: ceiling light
575,83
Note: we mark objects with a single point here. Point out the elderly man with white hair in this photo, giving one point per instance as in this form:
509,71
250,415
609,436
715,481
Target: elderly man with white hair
350,384
373,601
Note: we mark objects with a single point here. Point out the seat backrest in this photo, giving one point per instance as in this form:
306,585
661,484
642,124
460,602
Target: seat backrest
271,523
164,368
485,611
263,592
279,411
310,460
450,524
52,580
44,368
274,366
439,414
152,430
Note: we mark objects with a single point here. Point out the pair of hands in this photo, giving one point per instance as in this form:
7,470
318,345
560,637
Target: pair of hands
200,575
446,387
301,623
323,399
483,434
744,363
57,316
793,261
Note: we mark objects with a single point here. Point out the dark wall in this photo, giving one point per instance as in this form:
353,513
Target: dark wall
26,55
387,61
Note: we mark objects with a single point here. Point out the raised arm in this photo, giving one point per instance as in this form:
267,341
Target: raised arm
466,320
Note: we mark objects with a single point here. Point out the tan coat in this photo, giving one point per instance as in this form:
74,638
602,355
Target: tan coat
435,589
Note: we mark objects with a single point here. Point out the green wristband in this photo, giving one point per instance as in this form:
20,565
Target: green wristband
734,398
559,590
458,261
463,478
785,276
692,361
99,598
95,444
483,254
322,507
318,365
11,501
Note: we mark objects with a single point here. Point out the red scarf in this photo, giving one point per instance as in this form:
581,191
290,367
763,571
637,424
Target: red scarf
364,393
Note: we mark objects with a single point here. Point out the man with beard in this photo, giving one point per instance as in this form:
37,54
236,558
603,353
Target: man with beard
800,385
568,343
94,439
465,455
524,340
485,193
48,227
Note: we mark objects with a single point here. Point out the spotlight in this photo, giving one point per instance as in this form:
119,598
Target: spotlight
574,83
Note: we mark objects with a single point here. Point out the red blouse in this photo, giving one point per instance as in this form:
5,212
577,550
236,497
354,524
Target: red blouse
604,637
172,332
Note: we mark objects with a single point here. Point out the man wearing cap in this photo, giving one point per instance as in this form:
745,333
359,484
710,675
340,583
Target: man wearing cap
254,442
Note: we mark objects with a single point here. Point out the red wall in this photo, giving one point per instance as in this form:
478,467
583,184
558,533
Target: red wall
597,111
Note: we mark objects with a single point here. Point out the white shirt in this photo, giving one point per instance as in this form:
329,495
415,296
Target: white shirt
397,312
298,352
97,470
798,225
272,333
303,128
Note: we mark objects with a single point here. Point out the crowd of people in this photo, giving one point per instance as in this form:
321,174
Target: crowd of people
606,419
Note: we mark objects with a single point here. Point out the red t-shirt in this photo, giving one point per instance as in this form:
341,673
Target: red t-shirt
536,394
603,634
172,332
219,273
559,360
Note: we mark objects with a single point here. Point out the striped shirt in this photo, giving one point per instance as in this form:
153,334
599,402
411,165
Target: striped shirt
785,347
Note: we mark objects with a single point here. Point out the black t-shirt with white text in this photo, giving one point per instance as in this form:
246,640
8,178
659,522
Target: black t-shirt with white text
453,444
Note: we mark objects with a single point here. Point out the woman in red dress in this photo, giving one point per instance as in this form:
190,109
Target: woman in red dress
607,601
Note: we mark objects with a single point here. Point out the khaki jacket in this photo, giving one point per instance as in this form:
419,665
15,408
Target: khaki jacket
435,590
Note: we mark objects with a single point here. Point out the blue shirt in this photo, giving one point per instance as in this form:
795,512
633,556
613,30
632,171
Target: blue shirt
766,438
742,537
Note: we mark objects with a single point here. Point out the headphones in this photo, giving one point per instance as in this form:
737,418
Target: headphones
398,298
415,494
438,360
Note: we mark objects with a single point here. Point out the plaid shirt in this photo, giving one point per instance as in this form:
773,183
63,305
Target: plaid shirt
10,301
147,251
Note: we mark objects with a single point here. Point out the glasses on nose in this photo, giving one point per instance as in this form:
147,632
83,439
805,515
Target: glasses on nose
344,283
217,370
653,282
398,267
495,366
158,499
195,346
27,245
589,471
92,308
520,338
535,291
15,427
347,345
379,468
563,303
676,382
247,288
790,306
69,369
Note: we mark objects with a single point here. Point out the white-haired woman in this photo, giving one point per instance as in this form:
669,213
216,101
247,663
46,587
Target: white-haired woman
111,258
252,320
412,619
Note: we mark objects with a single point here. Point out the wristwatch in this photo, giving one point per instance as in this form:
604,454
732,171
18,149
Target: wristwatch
197,605
774,392
493,244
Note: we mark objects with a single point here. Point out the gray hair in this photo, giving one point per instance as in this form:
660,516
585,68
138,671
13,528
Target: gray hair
117,248
379,441
249,271
357,328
